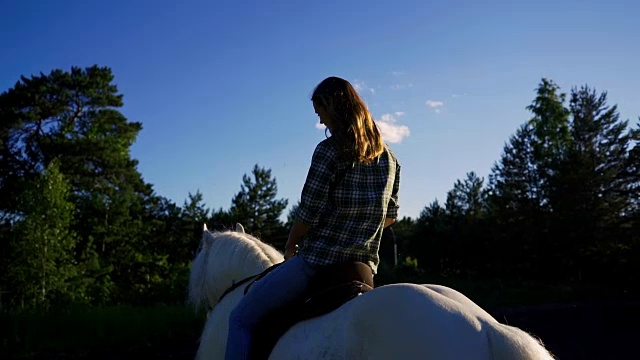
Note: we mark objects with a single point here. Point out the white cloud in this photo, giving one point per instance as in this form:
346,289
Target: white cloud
388,118
401,86
362,86
434,104
392,132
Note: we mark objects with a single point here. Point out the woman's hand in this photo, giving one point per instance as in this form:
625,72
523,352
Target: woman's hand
290,251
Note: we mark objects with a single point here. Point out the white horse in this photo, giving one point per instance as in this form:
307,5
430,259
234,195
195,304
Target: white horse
398,321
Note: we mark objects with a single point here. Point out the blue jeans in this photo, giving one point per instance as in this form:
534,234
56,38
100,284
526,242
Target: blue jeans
278,289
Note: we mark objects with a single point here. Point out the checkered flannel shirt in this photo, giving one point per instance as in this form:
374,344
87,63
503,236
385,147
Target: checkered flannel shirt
345,205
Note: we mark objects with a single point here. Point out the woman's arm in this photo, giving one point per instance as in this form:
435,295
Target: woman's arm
298,231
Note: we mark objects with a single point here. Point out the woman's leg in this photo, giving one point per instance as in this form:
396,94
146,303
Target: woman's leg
279,288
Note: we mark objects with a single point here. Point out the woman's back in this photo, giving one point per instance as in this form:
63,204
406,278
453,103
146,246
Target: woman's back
349,224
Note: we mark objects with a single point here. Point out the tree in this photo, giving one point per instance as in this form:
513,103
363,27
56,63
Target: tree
73,117
43,267
430,245
514,182
257,208
195,213
465,209
633,172
291,216
221,220
467,198
405,232
595,185
551,136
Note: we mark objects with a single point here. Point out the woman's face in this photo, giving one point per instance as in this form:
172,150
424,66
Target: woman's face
322,114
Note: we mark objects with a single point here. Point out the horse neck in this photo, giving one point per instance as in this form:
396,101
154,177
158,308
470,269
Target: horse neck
251,257
238,258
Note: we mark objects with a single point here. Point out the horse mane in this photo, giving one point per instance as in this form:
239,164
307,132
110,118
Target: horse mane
268,251
244,255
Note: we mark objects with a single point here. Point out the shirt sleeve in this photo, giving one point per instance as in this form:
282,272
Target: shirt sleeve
315,193
392,208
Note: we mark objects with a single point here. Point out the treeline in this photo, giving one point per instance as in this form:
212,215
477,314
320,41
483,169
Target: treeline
77,222
560,207
79,225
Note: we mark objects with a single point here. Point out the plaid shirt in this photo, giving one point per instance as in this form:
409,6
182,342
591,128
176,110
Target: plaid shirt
345,205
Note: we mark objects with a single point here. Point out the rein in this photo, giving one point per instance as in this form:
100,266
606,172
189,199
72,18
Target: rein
243,281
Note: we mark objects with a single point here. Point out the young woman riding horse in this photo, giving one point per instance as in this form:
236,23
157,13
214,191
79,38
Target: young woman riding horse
349,197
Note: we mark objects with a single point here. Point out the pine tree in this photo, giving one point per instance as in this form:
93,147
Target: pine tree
467,198
431,243
515,206
551,137
73,116
514,182
595,185
257,208
221,220
194,214
291,216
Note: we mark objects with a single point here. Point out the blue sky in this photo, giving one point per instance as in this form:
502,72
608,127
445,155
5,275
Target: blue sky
222,85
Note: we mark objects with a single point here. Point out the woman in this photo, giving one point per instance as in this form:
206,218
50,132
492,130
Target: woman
349,197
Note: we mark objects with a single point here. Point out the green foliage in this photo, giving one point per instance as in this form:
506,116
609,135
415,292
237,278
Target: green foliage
257,208
558,207
291,216
194,215
551,134
72,117
467,197
42,270
78,224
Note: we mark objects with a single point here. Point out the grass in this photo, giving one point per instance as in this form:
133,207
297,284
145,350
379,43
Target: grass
493,293
80,332
496,293
110,332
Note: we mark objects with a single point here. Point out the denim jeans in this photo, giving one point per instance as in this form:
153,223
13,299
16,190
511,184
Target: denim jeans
279,288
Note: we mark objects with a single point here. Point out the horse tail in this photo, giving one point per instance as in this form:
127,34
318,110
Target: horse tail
509,343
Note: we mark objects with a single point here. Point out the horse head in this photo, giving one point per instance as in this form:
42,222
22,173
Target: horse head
223,258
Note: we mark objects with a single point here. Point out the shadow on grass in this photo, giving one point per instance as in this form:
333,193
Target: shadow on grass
97,332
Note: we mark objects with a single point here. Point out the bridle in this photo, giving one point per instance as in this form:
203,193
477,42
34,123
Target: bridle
236,285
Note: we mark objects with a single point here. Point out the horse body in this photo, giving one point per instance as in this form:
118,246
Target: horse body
406,321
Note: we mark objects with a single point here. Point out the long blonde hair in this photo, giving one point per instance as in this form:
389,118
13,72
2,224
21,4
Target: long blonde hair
353,126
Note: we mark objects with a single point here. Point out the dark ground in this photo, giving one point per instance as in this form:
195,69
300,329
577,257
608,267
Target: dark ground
586,331
608,331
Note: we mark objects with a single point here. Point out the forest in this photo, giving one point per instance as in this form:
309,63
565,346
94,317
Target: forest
78,225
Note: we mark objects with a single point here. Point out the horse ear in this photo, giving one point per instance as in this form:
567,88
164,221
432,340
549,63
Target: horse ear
207,237
239,228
